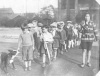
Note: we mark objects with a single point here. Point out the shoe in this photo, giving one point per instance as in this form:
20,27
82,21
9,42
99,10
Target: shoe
29,68
26,69
33,61
54,59
88,64
61,52
82,65
49,63
15,69
66,50
43,65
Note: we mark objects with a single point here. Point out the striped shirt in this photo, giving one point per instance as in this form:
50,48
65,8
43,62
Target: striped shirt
88,31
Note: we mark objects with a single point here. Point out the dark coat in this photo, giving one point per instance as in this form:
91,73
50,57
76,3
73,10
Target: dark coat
56,40
62,35
37,41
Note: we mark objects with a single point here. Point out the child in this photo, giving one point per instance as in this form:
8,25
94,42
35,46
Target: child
70,34
27,42
62,35
46,44
56,39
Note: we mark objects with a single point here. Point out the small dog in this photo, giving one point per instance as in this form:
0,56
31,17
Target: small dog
8,58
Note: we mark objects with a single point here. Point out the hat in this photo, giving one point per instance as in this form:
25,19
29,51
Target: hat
54,24
34,21
69,21
30,25
40,24
45,26
60,24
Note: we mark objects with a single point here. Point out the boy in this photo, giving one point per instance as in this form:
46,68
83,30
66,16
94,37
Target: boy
56,38
46,44
26,41
62,35
70,34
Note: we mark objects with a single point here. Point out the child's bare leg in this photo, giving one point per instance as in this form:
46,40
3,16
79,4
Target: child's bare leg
88,58
84,57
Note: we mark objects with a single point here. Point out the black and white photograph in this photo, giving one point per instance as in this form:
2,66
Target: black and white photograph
49,37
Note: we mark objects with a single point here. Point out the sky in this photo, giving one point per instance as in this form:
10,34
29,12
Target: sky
20,6
98,1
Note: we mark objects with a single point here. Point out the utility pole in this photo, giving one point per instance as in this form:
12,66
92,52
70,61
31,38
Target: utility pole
59,8
26,9
67,9
76,7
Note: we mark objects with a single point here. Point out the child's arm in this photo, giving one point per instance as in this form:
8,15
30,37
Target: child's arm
19,42
95,32
32,41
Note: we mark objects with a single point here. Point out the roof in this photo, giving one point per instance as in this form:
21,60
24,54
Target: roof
6,10
12,16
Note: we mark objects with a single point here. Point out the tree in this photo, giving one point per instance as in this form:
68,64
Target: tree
47,12
3,21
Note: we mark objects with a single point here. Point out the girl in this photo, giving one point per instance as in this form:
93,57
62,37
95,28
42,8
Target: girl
88,36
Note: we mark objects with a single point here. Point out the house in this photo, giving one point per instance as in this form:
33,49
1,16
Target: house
73,8
6,12
15,22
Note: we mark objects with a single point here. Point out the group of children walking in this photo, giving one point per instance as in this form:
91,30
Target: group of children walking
46,40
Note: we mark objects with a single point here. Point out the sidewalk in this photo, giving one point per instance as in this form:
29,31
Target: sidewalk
65,65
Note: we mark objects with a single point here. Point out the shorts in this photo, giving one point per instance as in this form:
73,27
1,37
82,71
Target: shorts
86,45
70,37
27,53
43,50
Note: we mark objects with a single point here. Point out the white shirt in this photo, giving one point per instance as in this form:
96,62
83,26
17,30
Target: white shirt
53,33
47,37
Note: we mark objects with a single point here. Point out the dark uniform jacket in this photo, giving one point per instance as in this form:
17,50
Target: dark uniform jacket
56,39
62,35
37,40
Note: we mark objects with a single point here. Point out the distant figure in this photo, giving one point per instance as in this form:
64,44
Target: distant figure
63,37
56,38
89,35
35,28
70,34
36,36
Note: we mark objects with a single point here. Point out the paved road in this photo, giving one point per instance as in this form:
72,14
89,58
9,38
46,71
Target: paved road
65,65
